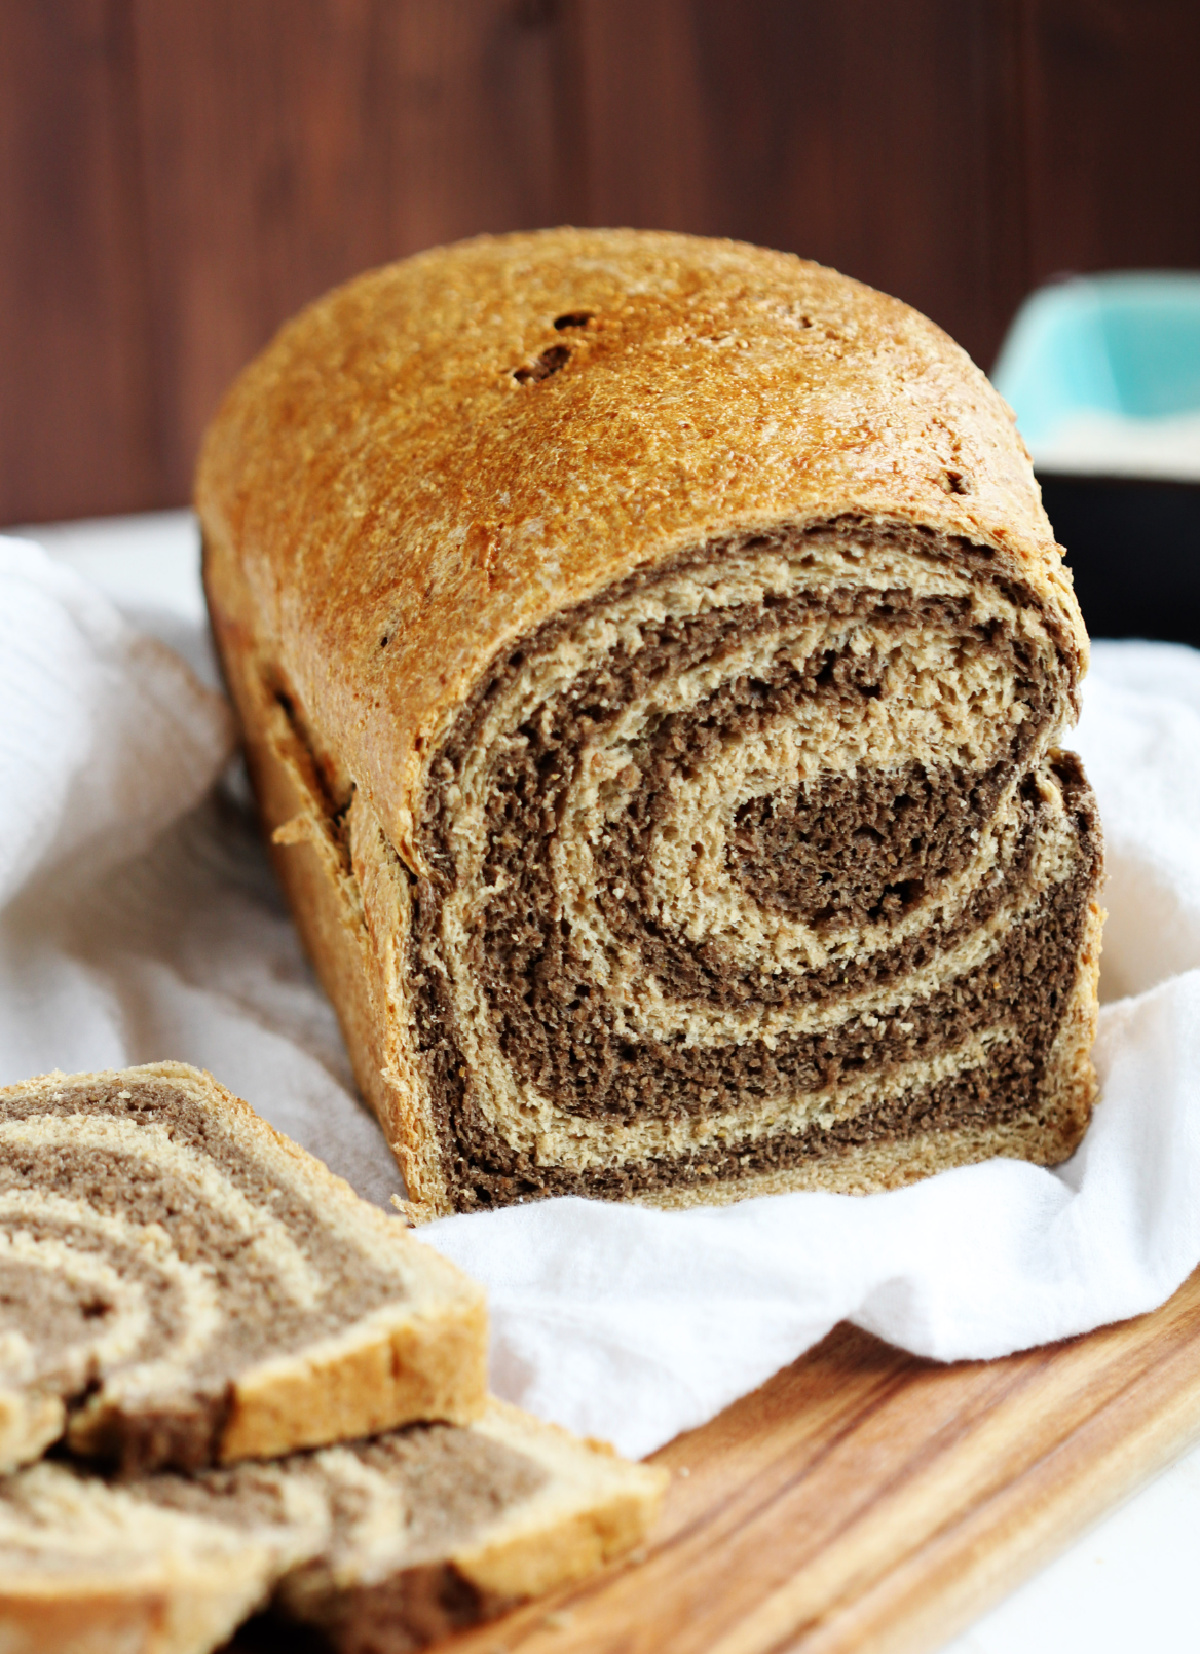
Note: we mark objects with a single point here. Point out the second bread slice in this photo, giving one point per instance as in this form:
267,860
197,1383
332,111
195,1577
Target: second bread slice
183,1286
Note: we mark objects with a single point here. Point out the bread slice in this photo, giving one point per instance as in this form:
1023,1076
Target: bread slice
655,662
436,1528
385,1544
183,1286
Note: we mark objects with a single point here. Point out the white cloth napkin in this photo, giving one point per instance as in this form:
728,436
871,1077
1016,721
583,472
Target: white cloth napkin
139,919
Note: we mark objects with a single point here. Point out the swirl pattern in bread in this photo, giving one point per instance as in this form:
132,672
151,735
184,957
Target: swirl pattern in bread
764,863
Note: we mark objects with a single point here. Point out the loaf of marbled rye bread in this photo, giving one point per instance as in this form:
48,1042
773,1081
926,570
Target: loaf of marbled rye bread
384,1545
653,658
181,1285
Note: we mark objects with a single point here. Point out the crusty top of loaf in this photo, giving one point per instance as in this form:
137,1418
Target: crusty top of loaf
401,506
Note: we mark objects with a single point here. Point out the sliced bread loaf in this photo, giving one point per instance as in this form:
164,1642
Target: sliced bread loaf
655,662
180,1285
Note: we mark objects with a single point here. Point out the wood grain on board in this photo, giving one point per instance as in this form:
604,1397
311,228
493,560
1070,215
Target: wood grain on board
865,1499
175,179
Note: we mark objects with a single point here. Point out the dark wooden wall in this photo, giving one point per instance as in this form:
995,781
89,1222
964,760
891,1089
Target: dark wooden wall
177,176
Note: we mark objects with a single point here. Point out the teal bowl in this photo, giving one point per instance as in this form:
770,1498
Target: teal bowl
1127,343
1103,374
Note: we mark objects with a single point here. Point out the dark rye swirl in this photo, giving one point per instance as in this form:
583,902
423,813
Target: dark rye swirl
653,659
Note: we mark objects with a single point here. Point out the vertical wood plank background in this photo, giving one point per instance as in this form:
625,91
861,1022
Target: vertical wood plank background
178,176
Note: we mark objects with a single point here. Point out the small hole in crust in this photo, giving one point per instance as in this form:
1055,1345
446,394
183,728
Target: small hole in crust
573,318
957,482
383,642
550,361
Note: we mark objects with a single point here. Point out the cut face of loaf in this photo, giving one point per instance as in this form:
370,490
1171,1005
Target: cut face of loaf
384,1544
181,1285
765,872
665,761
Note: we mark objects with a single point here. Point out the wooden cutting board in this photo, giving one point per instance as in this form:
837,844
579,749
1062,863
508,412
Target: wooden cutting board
868,1500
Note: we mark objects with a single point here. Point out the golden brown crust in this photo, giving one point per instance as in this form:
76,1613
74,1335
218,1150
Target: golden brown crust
351,909
378,472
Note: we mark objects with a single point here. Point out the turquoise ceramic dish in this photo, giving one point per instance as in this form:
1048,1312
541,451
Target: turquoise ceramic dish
1121,343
